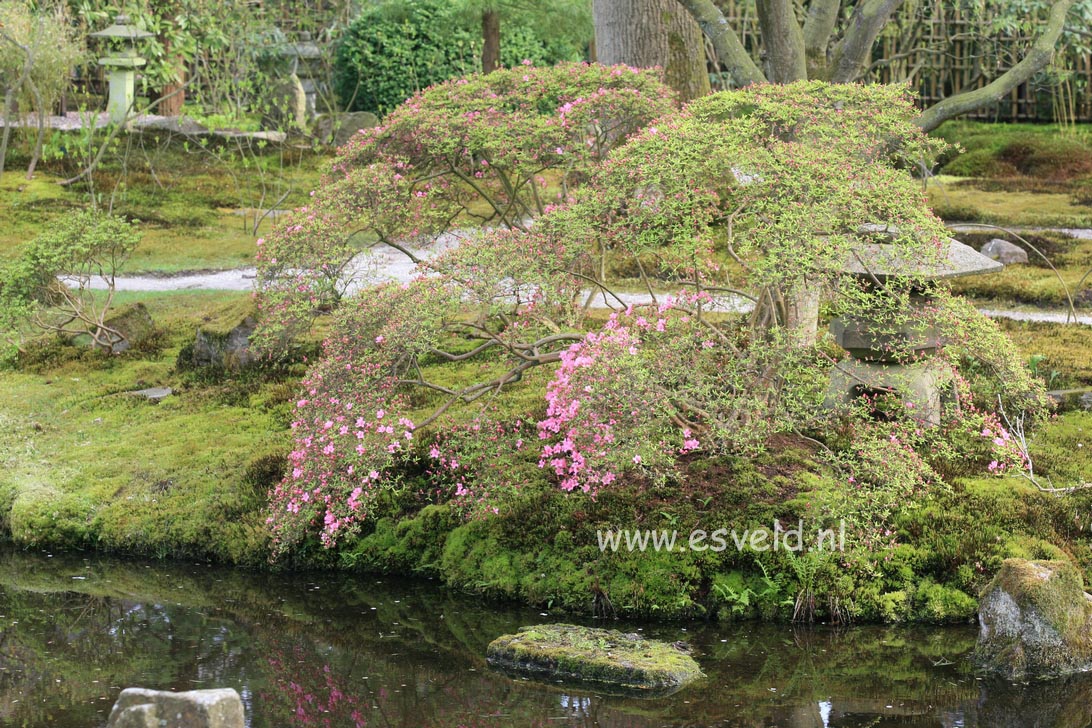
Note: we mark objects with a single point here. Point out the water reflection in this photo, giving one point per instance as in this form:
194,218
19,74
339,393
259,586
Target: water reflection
365,651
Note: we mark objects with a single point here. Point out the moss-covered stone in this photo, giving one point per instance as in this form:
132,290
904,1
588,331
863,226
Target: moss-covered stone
626,663
1036,621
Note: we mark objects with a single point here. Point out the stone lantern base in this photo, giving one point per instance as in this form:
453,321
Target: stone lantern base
920,385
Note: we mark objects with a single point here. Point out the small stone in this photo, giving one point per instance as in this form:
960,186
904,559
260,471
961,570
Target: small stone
153,394
1086,401
1035,621
606,659
1005,252
220,708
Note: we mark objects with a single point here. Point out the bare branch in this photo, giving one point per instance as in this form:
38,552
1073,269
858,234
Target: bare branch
1036,60
853,54
726,43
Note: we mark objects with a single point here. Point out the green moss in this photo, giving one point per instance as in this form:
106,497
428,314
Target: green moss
605,658
196,204
939,603
88,465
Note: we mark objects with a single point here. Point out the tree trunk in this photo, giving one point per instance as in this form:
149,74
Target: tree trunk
784,39
172,96
490,41
645,33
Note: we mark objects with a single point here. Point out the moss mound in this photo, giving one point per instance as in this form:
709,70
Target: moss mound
627,663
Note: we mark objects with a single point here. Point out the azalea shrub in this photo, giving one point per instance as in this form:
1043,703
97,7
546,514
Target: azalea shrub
494,358
493,150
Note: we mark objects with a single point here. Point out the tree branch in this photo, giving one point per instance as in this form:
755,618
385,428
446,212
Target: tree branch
730,51
1036,60
853,54
818,28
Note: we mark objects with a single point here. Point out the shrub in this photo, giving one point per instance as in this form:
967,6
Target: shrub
81,247
979,163
777,178
493,150
394,50
1048,157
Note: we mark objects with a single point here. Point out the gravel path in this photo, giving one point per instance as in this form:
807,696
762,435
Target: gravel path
383,265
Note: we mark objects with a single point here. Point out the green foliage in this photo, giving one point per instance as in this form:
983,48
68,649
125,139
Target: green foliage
81,246
395,49
1015,151
490,150
42,40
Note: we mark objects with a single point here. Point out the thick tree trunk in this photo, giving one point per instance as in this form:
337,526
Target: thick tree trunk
784,39
490,41
645,33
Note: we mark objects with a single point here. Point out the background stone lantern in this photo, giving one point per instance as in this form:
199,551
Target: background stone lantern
122,64
305,77
897,359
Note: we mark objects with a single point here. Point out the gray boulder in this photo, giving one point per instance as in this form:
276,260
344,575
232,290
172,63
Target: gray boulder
133,323
140,708
1035,621
1005,252
228,350
336,129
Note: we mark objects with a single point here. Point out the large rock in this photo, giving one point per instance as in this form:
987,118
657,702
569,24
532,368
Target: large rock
1036,621
223,350
135,325
339,128
140,708
605,659
1005,252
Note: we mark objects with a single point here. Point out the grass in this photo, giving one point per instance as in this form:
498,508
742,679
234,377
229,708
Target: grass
956,202
88,465
196,203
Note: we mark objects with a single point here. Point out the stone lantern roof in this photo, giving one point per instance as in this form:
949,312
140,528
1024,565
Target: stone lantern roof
128,35
121,29
884,260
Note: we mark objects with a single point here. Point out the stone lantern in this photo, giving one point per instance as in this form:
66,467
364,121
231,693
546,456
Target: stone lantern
122,65
305,76
897,359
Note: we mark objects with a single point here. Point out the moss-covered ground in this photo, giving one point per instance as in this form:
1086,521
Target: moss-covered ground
87,465
197,203
1020,176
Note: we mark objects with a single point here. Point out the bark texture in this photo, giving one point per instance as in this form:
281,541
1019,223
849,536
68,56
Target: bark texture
490,40
784,40
645,33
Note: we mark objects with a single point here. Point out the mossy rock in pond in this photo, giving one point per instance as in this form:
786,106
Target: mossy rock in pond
607,660
1036,621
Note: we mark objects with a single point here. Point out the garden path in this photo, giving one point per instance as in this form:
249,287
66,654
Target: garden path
388,265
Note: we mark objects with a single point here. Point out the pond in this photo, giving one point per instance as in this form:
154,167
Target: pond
339,650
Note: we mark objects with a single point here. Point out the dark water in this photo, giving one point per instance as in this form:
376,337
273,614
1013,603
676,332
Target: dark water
369,651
